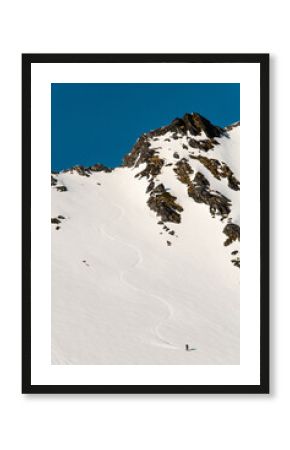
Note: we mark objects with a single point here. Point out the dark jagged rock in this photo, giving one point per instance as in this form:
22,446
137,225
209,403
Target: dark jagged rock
139,153
55,220
87,171
99,168
165,206
183,171
236,262
153,167
168,243
219,170
200,191
204,145
150,187
160,189
81,170
232,231
61,217
233,183
61,188
53,181
193,123
176,155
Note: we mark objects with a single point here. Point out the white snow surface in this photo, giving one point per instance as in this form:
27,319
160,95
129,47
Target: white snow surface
120,294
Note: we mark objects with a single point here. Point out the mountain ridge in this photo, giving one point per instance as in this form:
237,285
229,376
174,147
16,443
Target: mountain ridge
198,138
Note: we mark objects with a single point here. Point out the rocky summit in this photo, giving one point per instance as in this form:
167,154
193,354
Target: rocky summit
191,148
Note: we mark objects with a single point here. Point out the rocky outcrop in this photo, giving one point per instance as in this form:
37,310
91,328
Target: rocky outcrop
99,168
61,188
195,124
205,145
55,220
165,205
200,191
139,153
192,124
219,170
87,171
153,167
81,170
53,181
232,231
183,171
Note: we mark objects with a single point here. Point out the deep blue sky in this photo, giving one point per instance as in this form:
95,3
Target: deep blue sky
94,123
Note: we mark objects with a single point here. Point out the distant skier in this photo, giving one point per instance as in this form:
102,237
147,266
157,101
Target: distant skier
189,349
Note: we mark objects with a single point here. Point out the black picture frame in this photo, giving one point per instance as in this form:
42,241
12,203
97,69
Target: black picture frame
263,61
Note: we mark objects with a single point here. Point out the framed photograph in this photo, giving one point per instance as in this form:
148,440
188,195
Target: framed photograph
145,223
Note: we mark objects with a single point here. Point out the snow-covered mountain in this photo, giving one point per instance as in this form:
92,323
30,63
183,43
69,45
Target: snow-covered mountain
145,257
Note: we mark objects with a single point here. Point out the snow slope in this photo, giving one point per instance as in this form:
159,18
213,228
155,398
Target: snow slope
120,293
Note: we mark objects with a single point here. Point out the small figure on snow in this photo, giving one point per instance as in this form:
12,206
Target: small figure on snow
189,349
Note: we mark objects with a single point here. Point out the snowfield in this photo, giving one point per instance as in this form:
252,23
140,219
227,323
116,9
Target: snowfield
120,293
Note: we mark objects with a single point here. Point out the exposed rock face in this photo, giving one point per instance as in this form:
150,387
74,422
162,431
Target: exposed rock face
204,145
190,123
219,170
165,205
99,168
183,171
53,181
232,231
236,262
61,188
197,136
139,153
87,171
55,220
200,191
153,168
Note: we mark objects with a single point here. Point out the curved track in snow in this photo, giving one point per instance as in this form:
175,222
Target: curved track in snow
161,341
